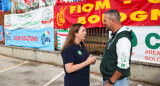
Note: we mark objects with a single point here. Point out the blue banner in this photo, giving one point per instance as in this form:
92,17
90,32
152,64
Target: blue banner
1,32
5,5
31,38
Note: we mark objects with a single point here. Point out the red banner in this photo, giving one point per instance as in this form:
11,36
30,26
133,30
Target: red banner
91,12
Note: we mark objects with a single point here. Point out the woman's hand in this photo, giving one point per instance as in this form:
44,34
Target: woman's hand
94,61
90,60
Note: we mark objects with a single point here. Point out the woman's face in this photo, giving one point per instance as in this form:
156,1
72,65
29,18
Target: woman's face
81,33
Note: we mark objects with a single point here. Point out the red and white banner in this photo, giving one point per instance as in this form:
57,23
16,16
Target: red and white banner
91,12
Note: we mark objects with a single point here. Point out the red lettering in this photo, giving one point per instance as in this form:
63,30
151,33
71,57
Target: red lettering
36,39
154,52
15,37
31,38
24,38
151,58
19,37
154,59
158,59
150,51
27,38
146,52
146,57
158,52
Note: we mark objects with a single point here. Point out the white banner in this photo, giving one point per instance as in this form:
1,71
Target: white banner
39,18
146,43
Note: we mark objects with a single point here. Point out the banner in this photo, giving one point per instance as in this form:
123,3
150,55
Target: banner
5,5
61,37
146,44
41,3
39,18
13,10
91,12
1,32
31,38
48,2
26,4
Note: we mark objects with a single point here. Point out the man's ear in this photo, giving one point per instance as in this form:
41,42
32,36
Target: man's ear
113,20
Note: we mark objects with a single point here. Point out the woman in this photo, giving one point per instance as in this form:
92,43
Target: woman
76,59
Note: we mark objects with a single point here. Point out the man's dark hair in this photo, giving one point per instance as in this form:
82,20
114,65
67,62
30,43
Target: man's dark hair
114,13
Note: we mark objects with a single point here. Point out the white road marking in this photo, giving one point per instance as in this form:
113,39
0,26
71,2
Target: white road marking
24,62
52,80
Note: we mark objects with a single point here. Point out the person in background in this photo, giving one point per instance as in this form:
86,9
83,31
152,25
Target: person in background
115,64
76,59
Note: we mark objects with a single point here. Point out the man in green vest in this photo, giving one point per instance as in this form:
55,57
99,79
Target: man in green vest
115,64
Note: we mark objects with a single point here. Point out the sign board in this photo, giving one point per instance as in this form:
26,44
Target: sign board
31,38
145,43
91,12
39,18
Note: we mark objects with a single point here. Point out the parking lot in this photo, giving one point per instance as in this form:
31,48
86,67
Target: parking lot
19,72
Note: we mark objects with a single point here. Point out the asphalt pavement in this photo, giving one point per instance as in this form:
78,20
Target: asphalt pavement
20,72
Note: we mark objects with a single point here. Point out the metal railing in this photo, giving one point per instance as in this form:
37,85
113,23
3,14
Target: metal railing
95,41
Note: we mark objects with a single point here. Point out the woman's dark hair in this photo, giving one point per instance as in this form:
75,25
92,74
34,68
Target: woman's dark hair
70,40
